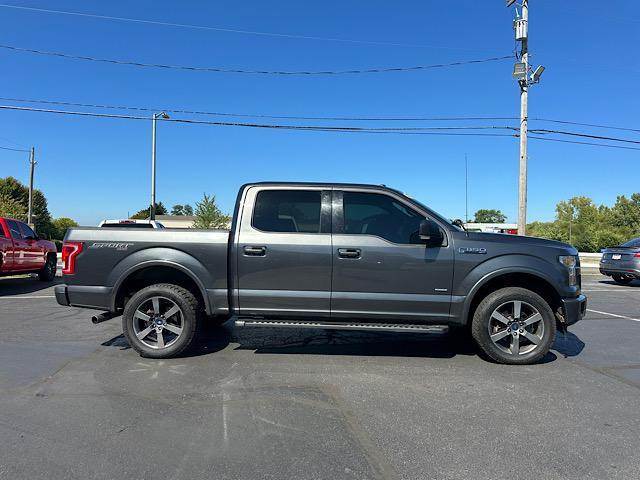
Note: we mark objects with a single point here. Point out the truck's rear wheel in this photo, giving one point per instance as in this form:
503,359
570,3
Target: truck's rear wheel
514,326
160,321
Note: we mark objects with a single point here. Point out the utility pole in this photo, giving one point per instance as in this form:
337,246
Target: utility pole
524,112
521,73
32,165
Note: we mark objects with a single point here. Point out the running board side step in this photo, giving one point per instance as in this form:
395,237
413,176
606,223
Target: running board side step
389,327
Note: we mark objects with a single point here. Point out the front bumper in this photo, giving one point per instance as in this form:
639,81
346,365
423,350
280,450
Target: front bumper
574,309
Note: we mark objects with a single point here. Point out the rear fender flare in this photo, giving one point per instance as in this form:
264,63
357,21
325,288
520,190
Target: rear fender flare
161,257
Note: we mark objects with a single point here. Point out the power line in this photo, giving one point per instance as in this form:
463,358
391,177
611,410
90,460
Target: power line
14,149
388,130
445,131
254,72
227,30
300,117
575,134
565,122
584,143
247,115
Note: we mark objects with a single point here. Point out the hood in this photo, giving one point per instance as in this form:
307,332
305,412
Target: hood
517,240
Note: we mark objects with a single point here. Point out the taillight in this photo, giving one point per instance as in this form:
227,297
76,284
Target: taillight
70,251
637,255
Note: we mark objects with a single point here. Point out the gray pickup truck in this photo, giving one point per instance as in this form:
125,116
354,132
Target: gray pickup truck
332,256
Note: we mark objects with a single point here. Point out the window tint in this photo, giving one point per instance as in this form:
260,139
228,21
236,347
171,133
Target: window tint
26,231
287,211
14,229
380,215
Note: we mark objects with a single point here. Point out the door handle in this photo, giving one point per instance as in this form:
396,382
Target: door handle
255,251
349,252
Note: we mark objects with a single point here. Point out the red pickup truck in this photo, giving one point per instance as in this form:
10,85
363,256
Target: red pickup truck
21,251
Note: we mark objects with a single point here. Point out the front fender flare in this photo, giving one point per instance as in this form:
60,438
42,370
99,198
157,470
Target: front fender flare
507,264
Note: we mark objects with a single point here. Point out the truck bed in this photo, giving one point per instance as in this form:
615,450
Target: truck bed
111,254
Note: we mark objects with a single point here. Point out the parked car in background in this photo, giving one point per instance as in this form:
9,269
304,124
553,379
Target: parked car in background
22,251
332,256
129,223
622,263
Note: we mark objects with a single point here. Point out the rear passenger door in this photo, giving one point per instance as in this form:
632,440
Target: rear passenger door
284,252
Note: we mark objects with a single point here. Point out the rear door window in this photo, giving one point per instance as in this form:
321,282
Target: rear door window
289,211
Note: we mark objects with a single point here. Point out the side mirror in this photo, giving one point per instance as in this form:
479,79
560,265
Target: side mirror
430,232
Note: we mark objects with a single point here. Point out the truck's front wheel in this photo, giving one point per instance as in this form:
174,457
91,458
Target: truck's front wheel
514,326
160,321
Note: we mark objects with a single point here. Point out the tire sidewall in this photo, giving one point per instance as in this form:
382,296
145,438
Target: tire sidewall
620,280
482,315
183,298
48,272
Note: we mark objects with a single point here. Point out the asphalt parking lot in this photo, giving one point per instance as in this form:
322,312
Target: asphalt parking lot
77,402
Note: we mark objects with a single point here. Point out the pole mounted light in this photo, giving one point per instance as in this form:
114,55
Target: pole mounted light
525,78
164,116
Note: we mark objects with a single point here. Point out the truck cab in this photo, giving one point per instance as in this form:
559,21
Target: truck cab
22,251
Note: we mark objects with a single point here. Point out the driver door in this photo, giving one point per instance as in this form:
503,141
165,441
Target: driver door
382,271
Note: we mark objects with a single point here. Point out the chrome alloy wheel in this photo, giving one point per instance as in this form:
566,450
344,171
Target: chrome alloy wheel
516,327
158,322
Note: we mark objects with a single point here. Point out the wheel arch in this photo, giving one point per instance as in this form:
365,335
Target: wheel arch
529,279
150,272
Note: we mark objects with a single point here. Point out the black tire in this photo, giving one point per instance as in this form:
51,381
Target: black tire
48,272
622,280
190,310
545,328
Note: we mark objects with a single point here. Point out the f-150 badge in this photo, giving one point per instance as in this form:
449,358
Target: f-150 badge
479,250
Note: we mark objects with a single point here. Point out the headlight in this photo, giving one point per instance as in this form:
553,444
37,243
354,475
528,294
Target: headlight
570,261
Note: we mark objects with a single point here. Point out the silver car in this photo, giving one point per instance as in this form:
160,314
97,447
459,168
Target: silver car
622,263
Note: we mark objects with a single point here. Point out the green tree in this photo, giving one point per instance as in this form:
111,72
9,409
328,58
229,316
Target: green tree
177,210
60,226
181,210
12,188
489,216
11,208
145,212
209,215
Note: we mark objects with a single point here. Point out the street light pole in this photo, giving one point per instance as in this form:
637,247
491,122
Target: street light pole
521,72
32,164
524,117
152,213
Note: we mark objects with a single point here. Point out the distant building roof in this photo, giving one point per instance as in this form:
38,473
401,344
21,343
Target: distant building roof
184,218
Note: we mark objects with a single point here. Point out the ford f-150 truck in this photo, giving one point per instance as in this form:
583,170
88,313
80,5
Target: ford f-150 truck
21,251
333,256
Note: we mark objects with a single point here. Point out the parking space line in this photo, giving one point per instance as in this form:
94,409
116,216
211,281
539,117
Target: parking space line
614,315
26,296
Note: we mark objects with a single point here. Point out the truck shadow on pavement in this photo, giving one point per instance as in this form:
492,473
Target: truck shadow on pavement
10,286
350,343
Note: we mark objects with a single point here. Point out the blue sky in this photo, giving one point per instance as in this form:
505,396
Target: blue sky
93,168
